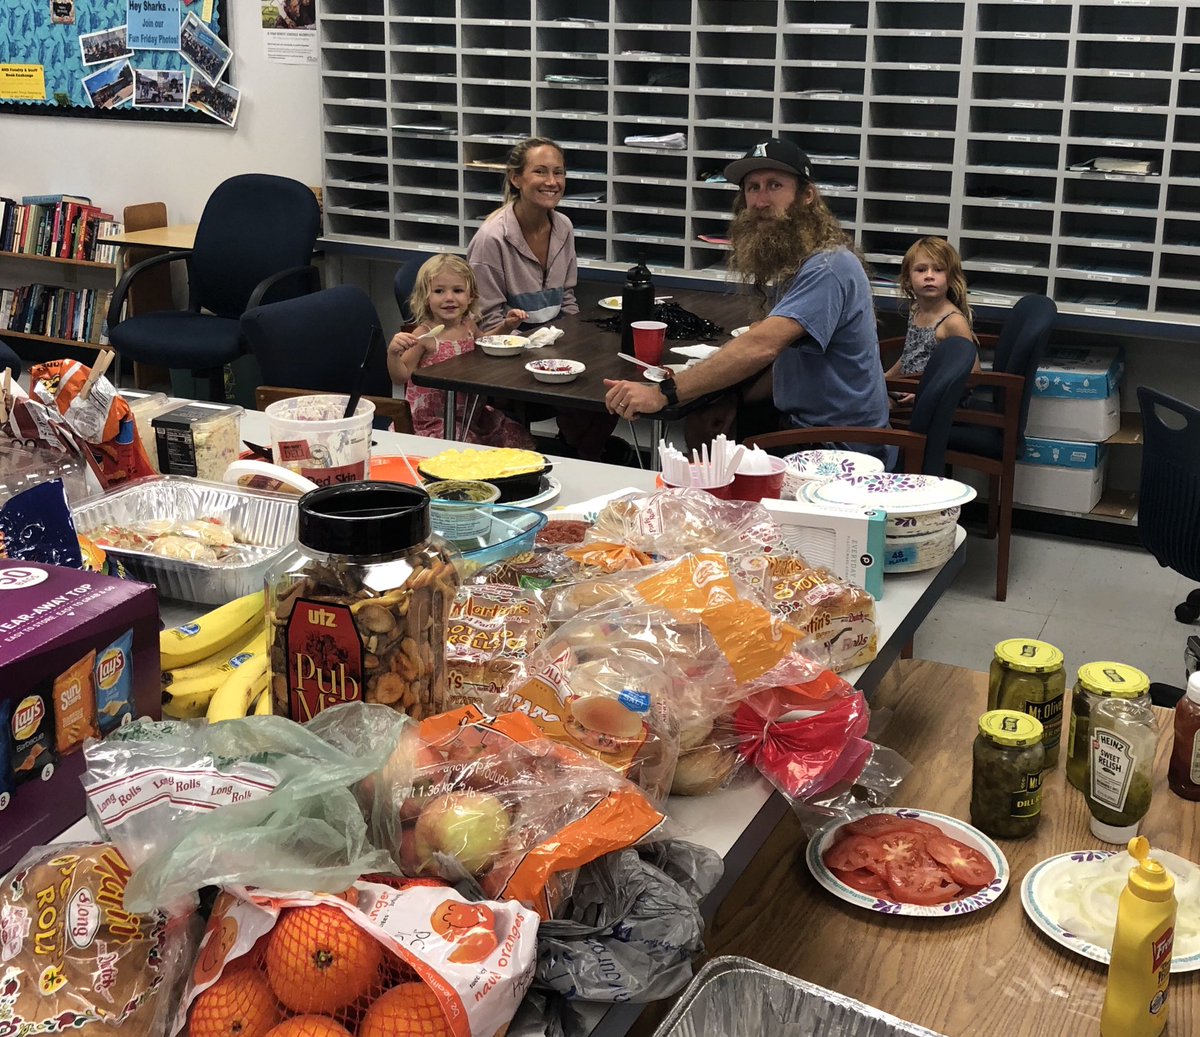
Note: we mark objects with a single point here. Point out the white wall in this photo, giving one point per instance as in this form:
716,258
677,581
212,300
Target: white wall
119,163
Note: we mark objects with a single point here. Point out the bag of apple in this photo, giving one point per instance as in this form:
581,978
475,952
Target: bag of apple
494,799
388,958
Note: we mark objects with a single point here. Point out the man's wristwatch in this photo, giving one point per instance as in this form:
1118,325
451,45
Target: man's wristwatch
667,388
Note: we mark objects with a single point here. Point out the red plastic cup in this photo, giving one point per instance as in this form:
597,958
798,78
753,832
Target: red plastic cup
720,492
648,338
756,487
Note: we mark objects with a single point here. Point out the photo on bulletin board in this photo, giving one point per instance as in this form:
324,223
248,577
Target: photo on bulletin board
147,60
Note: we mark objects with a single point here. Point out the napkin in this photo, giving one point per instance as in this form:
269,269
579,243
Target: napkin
544,337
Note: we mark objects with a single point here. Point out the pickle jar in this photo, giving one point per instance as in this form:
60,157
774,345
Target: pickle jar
359,610
1123,737
1094,683
1028,676
1006,773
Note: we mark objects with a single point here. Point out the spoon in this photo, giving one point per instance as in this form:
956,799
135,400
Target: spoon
642,363
437,329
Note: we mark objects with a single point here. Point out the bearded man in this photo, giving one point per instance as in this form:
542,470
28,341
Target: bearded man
818,343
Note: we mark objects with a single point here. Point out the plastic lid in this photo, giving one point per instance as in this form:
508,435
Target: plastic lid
1114,833
1028,655
1113,679
1193,687
363,518
1149,880
195,413
639,274
1010,727
262,475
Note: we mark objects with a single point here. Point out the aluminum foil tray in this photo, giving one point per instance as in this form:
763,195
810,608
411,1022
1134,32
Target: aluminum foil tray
266,520
737,997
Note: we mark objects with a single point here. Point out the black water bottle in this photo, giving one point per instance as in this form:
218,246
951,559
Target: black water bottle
637,303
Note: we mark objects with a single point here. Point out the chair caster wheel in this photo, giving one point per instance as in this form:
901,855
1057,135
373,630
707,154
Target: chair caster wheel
1193,599
1186,612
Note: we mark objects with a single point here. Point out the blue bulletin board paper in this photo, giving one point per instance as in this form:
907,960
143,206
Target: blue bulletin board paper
154,24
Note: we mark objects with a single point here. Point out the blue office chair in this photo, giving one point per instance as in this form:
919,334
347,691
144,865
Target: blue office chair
402,284
254,243
923,444
10,360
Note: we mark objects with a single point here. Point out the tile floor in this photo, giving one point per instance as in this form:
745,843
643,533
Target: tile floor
1094,601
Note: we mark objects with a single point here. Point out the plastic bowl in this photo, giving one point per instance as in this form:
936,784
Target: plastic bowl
502,345
457,522
510,531
555,370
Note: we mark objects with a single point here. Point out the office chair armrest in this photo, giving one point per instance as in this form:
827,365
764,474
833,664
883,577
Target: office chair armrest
311,273
117,303
911,444
890,350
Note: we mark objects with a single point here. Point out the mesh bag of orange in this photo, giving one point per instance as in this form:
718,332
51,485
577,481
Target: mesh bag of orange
382,959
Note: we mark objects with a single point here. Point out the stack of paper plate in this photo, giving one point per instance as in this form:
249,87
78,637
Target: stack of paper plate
823,465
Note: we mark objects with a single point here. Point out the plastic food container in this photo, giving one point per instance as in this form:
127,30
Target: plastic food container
24,466
145,407
737,997
454,510
310,437
197,439
509,531
265,520
484,466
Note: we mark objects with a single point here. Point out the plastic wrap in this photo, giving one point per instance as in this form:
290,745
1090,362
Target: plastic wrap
260,801
737,997
74,960
495,799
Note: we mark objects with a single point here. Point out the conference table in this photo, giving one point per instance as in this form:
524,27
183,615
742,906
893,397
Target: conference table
476,373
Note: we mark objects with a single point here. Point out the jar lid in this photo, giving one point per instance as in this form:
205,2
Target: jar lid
363,518
1028,655
1120,834
1010,727
1115,679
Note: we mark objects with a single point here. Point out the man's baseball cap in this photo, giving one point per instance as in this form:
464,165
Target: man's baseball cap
772,153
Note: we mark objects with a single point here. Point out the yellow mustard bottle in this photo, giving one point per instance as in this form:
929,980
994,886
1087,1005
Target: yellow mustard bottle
1135,1000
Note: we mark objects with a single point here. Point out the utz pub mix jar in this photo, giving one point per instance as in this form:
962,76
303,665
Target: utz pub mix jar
1006,773
1094,683
360,611
1028,676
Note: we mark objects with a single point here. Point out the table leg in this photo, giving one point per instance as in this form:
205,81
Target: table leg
449,429
658,429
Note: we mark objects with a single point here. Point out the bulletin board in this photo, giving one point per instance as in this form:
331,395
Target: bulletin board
148,60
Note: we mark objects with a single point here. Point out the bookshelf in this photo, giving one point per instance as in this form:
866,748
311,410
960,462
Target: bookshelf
982,121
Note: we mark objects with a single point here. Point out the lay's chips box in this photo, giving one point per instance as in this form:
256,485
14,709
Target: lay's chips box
78,658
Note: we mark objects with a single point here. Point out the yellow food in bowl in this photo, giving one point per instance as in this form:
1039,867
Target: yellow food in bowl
482,464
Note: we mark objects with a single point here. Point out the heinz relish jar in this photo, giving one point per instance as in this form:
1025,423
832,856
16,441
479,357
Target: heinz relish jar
1028,676
1094,683
359,612
1006,773
1123,738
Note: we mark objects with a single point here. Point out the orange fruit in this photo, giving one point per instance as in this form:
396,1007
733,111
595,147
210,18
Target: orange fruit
319,960
409,1010
239,1004
309,1026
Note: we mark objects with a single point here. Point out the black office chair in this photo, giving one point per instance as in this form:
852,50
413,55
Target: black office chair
10,360
254,243
923,444
1169,499
988,434
403,283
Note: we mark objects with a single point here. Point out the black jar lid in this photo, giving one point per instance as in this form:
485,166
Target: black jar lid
363,518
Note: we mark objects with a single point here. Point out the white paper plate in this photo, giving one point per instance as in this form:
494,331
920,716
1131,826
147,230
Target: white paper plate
657,376
739,331
823,465
548,494
956,829
696,352
1044,876
612,302
896,493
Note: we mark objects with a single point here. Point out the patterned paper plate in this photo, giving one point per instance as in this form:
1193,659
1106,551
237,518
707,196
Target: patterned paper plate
823,838
894,492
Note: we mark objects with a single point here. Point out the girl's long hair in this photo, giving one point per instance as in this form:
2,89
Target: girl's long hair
944,255
418,302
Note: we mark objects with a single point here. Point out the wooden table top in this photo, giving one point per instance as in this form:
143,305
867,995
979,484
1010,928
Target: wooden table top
476,372
986,974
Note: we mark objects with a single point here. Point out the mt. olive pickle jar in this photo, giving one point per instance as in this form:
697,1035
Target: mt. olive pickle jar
1094,683
1028,676
1006,774
359,611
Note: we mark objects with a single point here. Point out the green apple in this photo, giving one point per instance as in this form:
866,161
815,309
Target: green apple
470,826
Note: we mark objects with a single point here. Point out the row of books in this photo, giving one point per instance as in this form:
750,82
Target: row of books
68,313
60,226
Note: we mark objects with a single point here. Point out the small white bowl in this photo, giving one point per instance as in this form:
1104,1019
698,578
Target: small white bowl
656,375
555,370
502,345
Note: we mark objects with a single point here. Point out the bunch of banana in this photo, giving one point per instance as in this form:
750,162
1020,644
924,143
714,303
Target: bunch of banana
211,663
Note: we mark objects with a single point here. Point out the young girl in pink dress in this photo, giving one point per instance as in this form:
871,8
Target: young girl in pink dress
445,293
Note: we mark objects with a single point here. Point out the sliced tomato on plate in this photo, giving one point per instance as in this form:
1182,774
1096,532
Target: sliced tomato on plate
854,852
924,883
864,880
964,864
882,824
902,848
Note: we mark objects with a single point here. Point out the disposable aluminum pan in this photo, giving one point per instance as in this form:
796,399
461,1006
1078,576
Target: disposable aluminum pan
737,997
265,520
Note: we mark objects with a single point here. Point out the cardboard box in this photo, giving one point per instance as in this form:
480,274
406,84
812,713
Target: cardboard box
78,656
1077,395
1062,453
848,541
1059,487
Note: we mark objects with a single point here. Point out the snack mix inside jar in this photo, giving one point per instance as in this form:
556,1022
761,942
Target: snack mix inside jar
1094,683
1006,774
360,612
1028,676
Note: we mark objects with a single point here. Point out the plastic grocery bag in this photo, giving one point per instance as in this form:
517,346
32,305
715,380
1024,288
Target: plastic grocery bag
261,801
381,958
633,927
